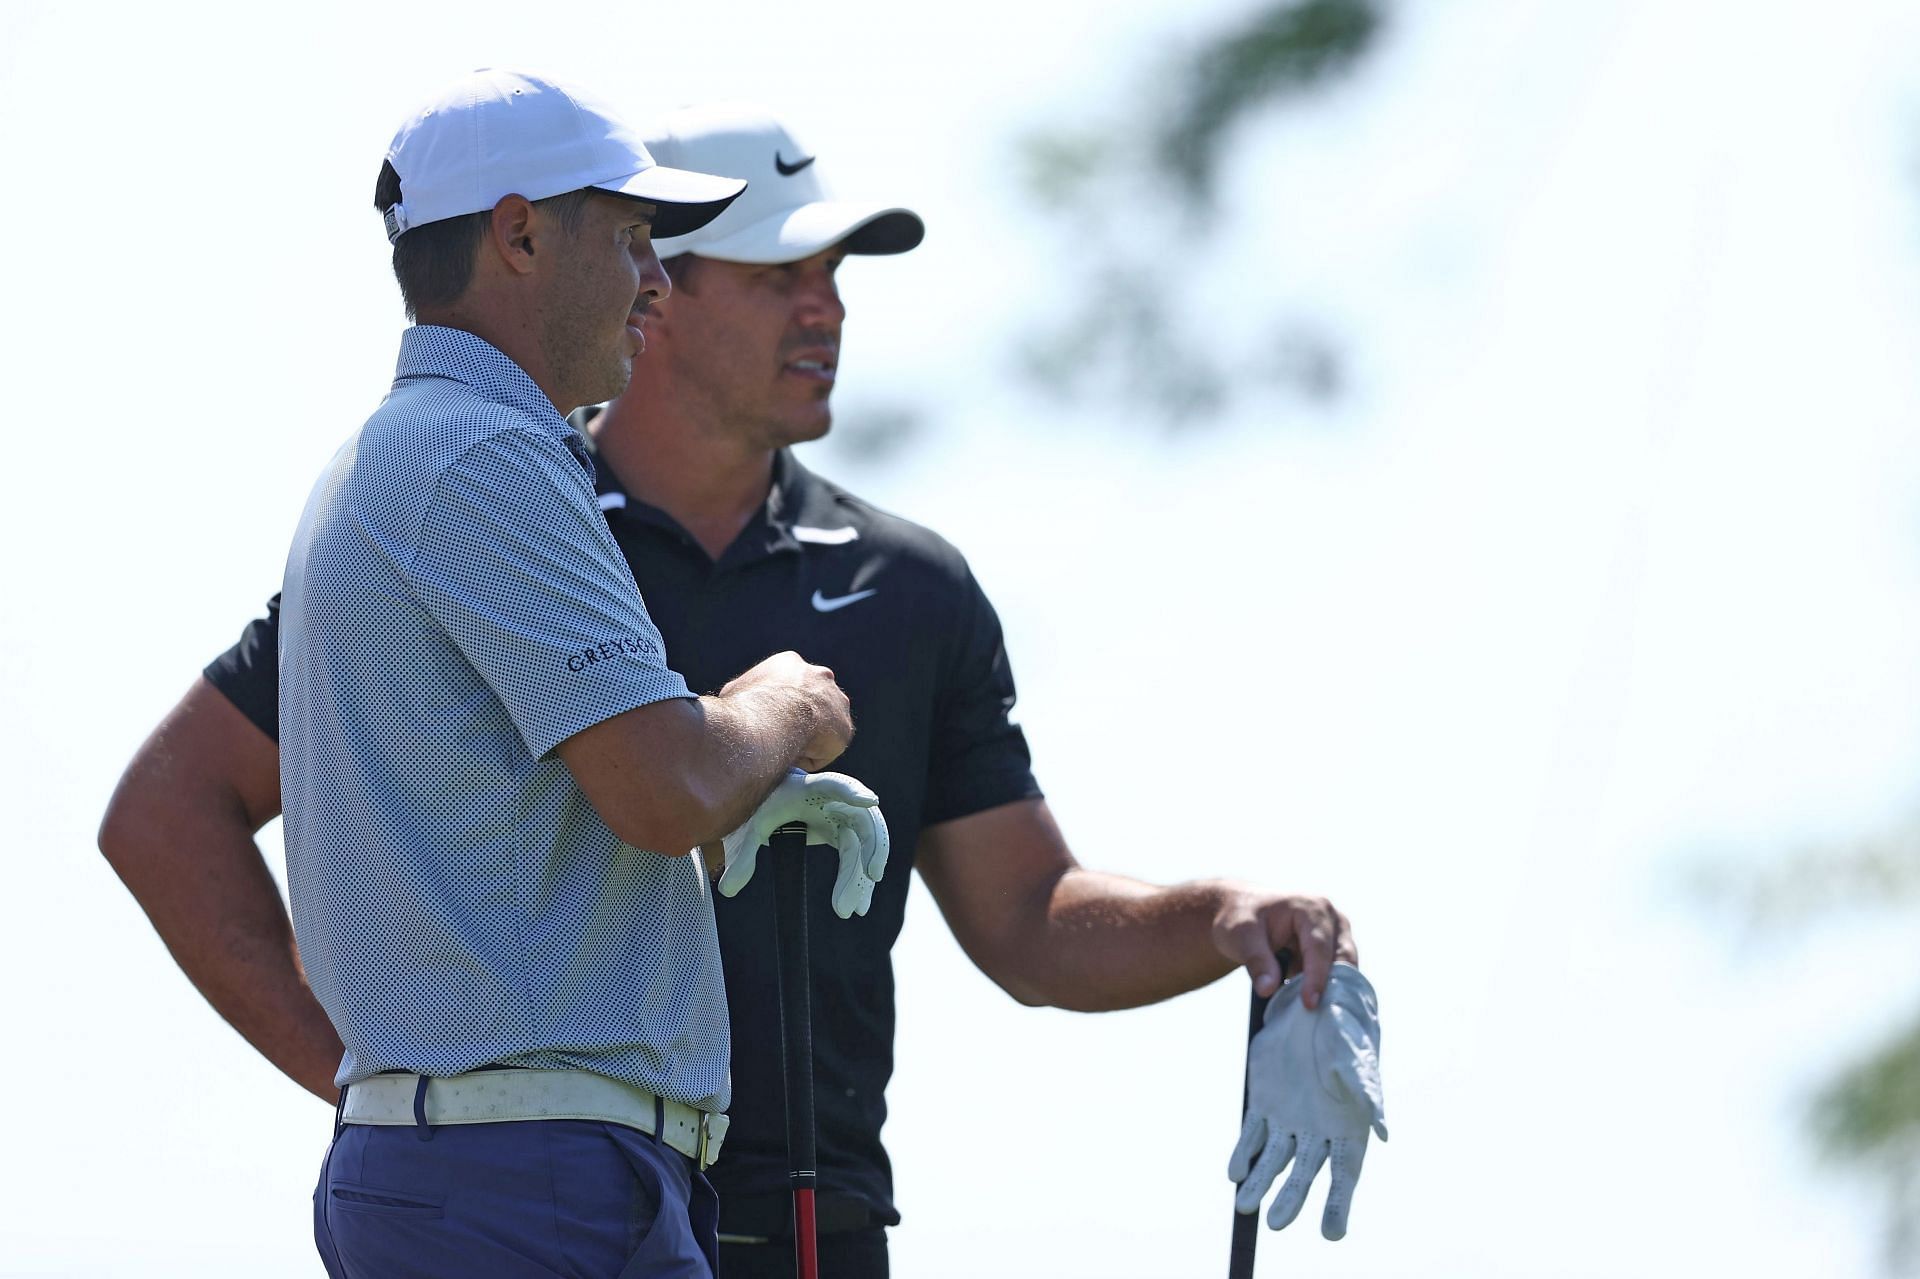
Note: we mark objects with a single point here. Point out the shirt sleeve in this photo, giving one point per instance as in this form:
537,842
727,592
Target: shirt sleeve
979,758
248,674
516,564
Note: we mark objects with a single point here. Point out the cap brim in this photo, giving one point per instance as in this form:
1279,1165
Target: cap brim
685,200
801,232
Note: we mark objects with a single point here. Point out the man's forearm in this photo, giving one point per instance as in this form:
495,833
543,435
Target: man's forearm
179,832
755,736
1050,931
221,917
677,775
250,972
1102,942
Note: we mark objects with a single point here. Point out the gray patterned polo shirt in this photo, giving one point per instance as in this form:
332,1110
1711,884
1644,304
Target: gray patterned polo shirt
454,608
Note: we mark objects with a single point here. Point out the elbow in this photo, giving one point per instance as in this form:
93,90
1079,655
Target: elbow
1065,1001
1050,988
641,772
1027,996
117,839
655,834
1024,987
1035,995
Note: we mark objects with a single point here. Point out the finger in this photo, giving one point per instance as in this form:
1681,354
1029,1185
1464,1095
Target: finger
1347,1156
863,830
1339,931
1279,1149
1253,1134
851,827
738,872
1245,943
1313,926
1287,1204
852,891
1348,950
881,847
843,880
852,888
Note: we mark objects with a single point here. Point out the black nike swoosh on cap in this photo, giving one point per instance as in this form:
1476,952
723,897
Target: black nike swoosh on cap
788,170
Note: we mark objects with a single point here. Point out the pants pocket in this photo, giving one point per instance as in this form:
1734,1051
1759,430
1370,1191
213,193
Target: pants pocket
377,1232
347,1196
670,1248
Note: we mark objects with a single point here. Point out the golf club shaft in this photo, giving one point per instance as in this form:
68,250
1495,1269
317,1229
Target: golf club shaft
790,898
1246,1225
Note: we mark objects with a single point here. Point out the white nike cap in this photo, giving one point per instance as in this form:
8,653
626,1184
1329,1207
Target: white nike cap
785,214
496,133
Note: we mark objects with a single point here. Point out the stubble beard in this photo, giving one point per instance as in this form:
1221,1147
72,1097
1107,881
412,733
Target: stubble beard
774,430
720,400
814,429
587,347
591,366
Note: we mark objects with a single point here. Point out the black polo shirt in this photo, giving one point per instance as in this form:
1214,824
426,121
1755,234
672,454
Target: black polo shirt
893,609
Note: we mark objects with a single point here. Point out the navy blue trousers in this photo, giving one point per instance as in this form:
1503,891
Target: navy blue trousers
529,1200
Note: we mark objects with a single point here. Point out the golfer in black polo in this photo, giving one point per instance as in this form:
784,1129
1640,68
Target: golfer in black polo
739,550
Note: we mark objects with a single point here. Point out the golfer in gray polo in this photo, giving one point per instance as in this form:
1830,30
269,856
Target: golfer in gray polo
491,774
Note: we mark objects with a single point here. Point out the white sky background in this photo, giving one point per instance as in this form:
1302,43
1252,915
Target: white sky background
1607,566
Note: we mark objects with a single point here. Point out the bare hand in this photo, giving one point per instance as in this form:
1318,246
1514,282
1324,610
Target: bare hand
1253,925
816,694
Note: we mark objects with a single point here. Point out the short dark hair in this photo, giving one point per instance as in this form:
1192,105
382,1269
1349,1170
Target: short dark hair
434,262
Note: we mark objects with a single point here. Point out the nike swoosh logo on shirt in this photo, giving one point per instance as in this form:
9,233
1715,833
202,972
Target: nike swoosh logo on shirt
826,536
822,604
788,170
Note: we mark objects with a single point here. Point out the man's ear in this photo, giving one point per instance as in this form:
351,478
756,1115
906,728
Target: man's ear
511,230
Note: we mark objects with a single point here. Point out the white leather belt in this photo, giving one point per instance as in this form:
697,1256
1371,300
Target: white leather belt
510,1095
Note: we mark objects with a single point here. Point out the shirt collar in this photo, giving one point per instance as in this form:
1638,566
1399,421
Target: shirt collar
800,508
433,350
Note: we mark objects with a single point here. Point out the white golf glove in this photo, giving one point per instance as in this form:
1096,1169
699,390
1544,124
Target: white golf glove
1313,1090
836,810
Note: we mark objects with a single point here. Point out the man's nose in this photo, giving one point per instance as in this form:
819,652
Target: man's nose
820,300
654,284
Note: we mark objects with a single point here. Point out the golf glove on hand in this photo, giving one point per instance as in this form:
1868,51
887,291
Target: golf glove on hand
1313,1090
836,810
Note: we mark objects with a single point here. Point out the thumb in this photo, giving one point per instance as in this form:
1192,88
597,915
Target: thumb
1245,943
742,852
738,872
1363,1092
1253,1139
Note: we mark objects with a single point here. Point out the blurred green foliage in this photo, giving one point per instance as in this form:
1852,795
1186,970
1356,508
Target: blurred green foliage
1817,882
1867,1116
1282,51
1131,330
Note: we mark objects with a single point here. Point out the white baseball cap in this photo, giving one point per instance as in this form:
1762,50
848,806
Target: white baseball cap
496,133
785,214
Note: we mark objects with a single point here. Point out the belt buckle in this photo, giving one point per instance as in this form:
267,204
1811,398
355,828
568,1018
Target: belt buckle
712,1131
